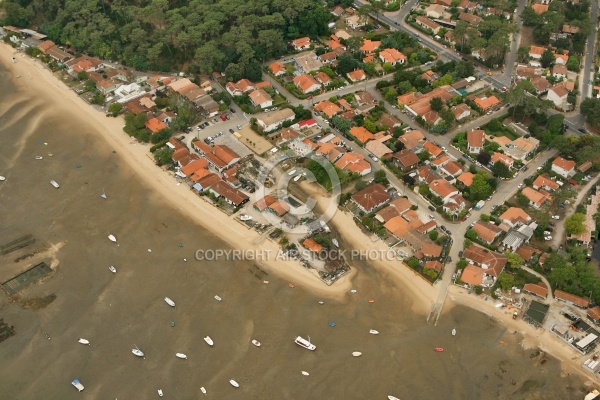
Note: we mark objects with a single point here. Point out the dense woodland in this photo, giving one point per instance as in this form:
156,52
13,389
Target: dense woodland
195,35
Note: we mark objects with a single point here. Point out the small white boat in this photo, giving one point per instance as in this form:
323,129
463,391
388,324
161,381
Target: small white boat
77,384
373,332
54,183
390,397
38,157
266,282
2,178
84,341
292,172
160,393
300,341
112,238
256,342
305,373
454,332
203,390
297,177
209,341
112,269
181,355
218,298
234,383
245,217
335,242
169,302
103,195
137,352
353,291
321,302
356,353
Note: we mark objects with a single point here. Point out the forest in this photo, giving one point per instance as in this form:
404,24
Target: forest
195,35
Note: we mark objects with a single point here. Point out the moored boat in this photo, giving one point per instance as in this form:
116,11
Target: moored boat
181,355
2,178
160,392
84,341
300,341
439,349
54,183
112,238
335,242
203,390
137,352
112,269
256,342
218,298
77,384
305,373
169,302
234,383
373,332
38,157
390,397
209,341
454,332
356,353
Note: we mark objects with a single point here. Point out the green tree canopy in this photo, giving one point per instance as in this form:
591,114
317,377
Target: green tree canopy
574,224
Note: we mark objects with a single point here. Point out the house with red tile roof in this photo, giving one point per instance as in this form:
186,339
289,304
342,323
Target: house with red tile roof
155,125
356,76
514,217
413,140
278,208
260,98
487,103
539,8
442,189
194,166
426,174
323,78
455,204
492,263
537,289
405,159
328,108
431,250
228,193
461,111
486,231
452,168
395,208
306,83
371,197
503,158
361,134
354,162
277,68
392,56
434,265
369,46
472,275
558,95
263,203
45,46
542,182
466,178
220,157
84,63
312,245
428,24
475,141
580,302
378,149
432,149
302,43
536,199
563,167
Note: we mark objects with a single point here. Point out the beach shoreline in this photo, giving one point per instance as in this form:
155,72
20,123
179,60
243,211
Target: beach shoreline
138,158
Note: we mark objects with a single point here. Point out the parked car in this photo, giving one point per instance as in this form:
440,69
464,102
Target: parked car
182,137
432,208
460,253
230,130
520,185
232,110
373,157
556,217
547,238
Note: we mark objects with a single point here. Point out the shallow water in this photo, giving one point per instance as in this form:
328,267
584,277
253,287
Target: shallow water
119,311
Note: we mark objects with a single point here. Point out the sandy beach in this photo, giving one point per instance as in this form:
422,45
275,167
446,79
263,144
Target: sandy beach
147,210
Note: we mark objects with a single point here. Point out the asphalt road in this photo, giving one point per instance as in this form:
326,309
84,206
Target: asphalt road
586,88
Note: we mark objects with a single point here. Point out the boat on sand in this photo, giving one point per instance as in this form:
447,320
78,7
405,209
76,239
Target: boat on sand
256,342
218,298
181,355
112,238
169,302
112,269
439,349
209,341
305,373
234,383
390,397
373,332
203,390
356,353
245,217
160,393
137,352
300,341
2,178
84,341
454,332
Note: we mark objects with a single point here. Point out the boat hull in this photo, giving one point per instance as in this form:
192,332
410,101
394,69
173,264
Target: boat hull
357,354
181,355
256,343
169,302
300,341
209,341
234,383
